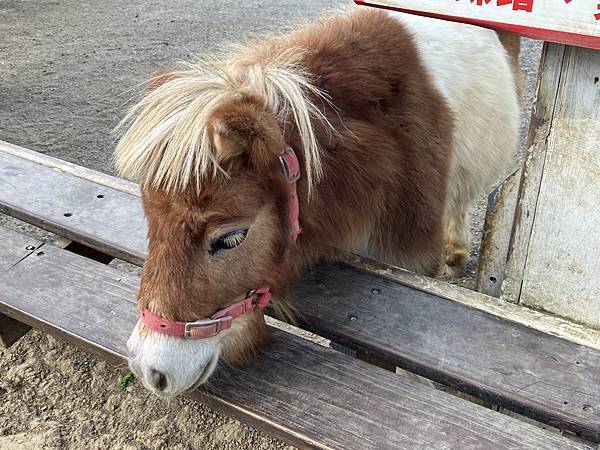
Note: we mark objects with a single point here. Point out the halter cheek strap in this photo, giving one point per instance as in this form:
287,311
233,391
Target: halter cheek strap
254,299
291,170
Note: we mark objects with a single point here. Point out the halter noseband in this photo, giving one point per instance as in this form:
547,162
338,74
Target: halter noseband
256,298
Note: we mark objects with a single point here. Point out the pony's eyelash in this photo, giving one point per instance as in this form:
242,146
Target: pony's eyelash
233,240
228,241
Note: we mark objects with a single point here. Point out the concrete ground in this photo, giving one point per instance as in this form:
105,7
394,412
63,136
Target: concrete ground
66,70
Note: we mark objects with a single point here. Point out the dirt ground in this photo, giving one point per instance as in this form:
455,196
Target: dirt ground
66,69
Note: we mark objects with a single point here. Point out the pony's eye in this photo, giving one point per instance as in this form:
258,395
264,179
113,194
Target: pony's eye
228,241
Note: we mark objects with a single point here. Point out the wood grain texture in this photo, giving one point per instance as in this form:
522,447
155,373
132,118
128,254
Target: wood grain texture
551,64
133,247
311,396
561,272
538,375
70,168
495,241
511,312
73,207
393,339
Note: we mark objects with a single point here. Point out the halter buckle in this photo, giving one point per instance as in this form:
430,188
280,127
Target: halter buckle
189,326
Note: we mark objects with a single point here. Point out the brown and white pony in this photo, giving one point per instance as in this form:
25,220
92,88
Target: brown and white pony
398,123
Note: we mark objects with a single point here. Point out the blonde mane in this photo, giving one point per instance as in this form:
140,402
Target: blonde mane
167,143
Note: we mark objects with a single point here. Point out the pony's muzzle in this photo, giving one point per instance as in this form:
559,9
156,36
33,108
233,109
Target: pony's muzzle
170,365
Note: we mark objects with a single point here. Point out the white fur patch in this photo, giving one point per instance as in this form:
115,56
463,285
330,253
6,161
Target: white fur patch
471,69
186,363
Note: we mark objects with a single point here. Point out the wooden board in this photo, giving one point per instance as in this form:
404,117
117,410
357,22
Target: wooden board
70,168
511,312
556,242
309,395
561,273
12,330
532,373
532,318
571,22
67,204
509,364
530,179
497,231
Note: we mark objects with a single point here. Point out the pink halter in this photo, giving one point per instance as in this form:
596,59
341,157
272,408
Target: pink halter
256,298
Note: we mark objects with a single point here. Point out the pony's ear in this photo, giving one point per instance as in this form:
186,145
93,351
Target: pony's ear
229,143
158,78
244,128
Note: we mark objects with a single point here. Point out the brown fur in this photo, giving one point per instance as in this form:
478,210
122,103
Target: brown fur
512,44
385,178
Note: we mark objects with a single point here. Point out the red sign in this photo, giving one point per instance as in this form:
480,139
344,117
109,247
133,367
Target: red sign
572,22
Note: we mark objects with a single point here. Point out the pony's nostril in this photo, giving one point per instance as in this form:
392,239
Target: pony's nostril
157,380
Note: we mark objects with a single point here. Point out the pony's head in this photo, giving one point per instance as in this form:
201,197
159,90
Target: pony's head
205,144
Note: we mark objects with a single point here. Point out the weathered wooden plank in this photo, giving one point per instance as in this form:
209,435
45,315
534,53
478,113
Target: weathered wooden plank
73,207
133,248
538,375
551,64
563,22
135,245
70,168
561,273
477,373
495,241
513,313
308,395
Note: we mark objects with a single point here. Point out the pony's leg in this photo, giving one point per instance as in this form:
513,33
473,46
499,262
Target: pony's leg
424,255
424,258
457,239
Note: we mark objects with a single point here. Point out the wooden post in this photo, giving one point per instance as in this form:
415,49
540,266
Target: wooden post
554,253
533,167
508,220
496,236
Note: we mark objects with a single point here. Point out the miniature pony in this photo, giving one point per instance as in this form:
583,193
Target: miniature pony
397,124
